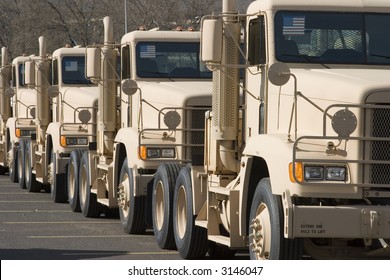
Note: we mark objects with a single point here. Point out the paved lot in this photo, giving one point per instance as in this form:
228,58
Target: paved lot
32,227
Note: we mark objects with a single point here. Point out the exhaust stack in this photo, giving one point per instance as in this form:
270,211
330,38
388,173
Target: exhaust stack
226,90
108,87
5,77
42,84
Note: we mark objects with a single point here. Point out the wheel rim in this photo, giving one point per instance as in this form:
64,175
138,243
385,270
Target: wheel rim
124,196
181,219
72,181
160,205
261,232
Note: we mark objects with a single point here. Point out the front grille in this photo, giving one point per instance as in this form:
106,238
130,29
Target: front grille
380,150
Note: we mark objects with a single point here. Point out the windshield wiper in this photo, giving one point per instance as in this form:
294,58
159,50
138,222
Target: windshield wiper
380,55
159,74
313,59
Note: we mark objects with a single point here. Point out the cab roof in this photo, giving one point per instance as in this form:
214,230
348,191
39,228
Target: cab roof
379,6
161,36
68,51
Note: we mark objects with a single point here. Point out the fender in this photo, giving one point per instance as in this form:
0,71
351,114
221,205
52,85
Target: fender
277,158
53,130
128,136
11,126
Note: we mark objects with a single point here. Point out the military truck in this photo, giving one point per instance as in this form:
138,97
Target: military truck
158,126
302,167
70,125
21,125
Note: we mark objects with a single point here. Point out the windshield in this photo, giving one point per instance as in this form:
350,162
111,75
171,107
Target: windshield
73,68
170,60
328,37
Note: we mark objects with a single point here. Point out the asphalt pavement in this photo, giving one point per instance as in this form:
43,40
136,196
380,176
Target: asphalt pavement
32,227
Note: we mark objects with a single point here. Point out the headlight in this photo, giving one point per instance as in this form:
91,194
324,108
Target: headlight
22,133
317,173
314,173
168,153
73,141
328,173
336,173
154,152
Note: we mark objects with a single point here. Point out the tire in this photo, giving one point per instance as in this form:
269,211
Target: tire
162,204
132,209
13,167
20,163
73,180
266,223
88,201
57,182
31,183
191,241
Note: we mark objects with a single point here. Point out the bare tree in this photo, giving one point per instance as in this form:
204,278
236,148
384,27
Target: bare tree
80,21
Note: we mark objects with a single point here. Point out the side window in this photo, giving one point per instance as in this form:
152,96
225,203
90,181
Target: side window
126,62
13,76
55,72
256,46
21,75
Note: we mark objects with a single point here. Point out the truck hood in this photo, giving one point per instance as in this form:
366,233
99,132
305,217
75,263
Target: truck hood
341,85
85,96
176,93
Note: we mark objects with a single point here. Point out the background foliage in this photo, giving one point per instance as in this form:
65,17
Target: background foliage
79,22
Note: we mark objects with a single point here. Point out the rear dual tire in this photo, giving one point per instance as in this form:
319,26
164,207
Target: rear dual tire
162,204
191,240
88,200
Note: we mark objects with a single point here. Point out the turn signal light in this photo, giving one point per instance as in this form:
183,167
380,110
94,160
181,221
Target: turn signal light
298,171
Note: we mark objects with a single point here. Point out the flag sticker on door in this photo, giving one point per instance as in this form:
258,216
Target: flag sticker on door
148,51
294,25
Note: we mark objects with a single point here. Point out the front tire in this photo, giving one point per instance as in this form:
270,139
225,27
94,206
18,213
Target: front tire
57,182
31,183
131,208
13,163
88,200
191,240
73,180
162,204
266,238
20,163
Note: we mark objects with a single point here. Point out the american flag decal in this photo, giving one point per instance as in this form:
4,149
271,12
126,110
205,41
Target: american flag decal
148,51
294,25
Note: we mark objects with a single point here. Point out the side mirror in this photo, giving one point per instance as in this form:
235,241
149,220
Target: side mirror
211,41
53,91
29,77
129,87
93,58
279,74
10,92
